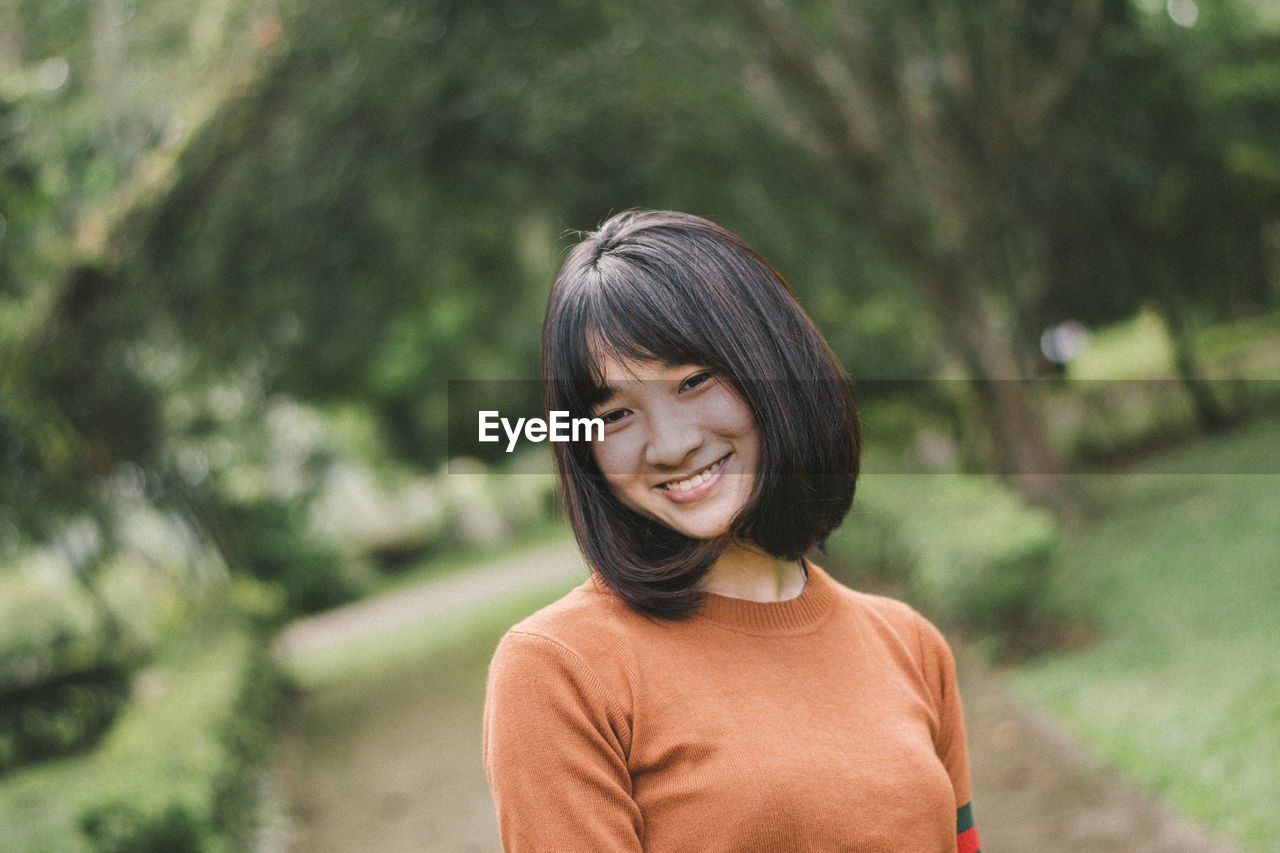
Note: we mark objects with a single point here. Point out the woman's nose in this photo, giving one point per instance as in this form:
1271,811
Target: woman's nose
671,440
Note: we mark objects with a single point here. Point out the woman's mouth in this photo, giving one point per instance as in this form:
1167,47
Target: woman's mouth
694,486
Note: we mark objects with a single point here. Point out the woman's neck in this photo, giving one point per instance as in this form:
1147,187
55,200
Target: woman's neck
743,571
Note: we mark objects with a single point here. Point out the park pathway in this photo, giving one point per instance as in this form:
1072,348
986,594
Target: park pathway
444,596
394,765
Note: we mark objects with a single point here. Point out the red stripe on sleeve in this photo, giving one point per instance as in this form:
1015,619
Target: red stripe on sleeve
967,841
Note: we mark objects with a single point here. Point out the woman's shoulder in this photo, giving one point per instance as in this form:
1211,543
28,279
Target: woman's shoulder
581,646
890,613
881,606
588,621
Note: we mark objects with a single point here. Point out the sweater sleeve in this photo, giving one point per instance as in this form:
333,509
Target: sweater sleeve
555,751
940,671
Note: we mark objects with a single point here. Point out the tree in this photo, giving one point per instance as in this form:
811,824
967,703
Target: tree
379,212
101,94
1181,188
956,122
932,108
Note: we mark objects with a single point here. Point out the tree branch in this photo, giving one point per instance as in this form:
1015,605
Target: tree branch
840,108
1056,83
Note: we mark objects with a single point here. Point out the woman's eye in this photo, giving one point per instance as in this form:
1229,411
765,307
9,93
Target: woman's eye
695,380
612,416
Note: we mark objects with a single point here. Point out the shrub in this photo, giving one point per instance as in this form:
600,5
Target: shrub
175,772
191,752
267,538
49,629
966,549
59,717
120,828
63,671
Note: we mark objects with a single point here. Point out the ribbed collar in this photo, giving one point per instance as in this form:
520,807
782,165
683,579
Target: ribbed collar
794,616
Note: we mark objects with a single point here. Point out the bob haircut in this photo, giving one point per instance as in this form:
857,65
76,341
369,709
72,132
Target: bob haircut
676,288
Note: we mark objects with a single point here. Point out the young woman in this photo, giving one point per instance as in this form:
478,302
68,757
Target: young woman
709,688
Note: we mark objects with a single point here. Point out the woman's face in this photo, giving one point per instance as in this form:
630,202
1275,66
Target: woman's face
680,446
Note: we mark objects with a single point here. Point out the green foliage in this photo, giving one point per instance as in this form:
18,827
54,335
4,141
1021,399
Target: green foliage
267,539
398,225
119,828
1121,395
63,672
967,550
377,209
118,81
202,798
1171,216
1181,690
76,405
58,717
176,770
47,629
1245,349
23,202
89,96
369,200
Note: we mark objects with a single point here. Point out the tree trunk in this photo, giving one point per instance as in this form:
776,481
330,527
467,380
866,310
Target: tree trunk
1018,438
865,107
1186,361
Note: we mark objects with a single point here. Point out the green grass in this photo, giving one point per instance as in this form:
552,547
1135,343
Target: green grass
1181,571
1135,349
1248,347
168,752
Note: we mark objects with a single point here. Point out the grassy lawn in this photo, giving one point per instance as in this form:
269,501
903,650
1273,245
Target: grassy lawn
1181,572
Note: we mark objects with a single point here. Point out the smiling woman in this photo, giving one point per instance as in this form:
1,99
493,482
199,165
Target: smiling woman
678,293
709,688
680,446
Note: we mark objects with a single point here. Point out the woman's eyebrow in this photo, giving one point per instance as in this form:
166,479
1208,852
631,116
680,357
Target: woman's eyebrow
602,395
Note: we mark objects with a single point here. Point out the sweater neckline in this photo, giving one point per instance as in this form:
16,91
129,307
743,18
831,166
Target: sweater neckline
792,616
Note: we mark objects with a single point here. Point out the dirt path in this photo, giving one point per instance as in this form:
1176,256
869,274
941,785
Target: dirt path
394,765
467,590
1036,789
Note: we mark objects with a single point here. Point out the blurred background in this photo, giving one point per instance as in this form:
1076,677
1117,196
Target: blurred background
246,597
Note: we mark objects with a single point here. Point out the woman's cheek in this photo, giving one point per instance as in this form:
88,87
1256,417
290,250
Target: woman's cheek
612,456
730,413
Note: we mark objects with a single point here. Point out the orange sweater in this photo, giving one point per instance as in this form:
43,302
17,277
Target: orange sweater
827,722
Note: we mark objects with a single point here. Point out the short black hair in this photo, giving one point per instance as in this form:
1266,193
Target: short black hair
679,289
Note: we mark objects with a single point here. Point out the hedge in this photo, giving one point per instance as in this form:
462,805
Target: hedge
966,549
63,673
175,773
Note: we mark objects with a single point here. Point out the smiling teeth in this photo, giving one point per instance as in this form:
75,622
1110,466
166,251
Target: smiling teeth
696,480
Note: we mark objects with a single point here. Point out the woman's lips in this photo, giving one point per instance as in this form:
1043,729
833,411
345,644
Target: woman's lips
698,484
